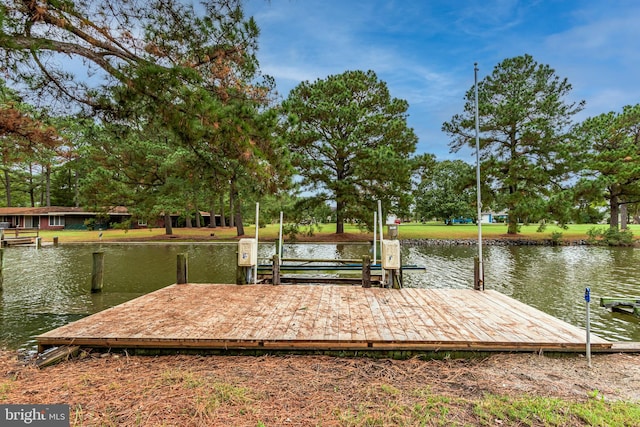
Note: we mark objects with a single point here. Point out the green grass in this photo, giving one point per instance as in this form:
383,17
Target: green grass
270,232
489,410
4,389
535,410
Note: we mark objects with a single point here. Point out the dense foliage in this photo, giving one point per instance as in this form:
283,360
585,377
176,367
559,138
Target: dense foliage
611,146
526,153
447,192
161,106
186,73
351,144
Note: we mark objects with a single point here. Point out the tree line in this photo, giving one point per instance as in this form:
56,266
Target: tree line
161,106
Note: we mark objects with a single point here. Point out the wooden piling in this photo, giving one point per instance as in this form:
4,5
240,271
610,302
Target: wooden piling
97,273
275,270
1,267
241,275
366,271
55,241
395,279
478,282
38,242
182,270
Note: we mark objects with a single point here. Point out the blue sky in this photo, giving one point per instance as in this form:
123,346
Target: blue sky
425,49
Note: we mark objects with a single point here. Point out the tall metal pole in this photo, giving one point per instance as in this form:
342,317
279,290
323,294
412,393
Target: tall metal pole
255,267
480,284
280,240
375,241
381,238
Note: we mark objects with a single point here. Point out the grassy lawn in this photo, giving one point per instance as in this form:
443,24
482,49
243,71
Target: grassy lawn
327,233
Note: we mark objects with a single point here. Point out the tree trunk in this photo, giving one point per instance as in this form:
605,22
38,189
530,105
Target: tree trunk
236,209
76,195
198,219
339,217
238,219
7,187
47,175
223,220
32,194
232,205
212,214
168,229
624,218
187,218
614,209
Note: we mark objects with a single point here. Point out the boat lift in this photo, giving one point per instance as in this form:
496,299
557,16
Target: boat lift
386,273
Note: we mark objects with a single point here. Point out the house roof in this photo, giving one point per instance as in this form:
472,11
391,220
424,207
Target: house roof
58,210
66,210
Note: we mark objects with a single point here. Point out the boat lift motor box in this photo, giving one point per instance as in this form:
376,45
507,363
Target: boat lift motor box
391,254
247,252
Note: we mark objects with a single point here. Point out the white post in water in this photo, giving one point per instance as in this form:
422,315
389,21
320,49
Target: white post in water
255,267
587,298
375,242
281,237
381,236
480,281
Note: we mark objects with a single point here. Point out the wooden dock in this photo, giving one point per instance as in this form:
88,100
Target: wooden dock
322,318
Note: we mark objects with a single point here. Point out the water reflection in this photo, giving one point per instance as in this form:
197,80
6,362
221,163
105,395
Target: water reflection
47,288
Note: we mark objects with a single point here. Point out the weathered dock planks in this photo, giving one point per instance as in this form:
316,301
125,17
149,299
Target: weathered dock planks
308,318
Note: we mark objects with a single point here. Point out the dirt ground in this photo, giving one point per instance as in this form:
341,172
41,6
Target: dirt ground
118,389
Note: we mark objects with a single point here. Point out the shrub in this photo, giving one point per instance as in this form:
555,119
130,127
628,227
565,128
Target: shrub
610,236
556,238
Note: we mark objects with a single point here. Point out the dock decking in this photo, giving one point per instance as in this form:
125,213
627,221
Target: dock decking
322,318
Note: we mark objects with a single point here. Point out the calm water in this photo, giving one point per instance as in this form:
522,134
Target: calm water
47,288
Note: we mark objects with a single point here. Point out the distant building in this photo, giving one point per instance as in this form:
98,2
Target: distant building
59,218
494,217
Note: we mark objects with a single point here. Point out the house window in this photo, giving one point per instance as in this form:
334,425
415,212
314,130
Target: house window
142,222
56,221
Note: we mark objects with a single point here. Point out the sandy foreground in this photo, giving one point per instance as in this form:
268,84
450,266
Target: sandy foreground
181,390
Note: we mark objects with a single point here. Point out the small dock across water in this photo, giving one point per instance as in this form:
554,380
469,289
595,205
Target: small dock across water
322,318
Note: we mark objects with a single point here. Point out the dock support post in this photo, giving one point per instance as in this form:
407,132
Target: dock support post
97,274
366,271
478,276
275,270
394,279
182,269
243,275
1,267
38,242
55,241
587,298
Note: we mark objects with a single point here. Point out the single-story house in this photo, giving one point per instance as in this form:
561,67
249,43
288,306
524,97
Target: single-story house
59,218
493,217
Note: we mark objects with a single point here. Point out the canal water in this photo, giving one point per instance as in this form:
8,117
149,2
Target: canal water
49,287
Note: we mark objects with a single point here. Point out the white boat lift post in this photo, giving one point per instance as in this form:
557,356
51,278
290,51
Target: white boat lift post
382,272
479,268
375,243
